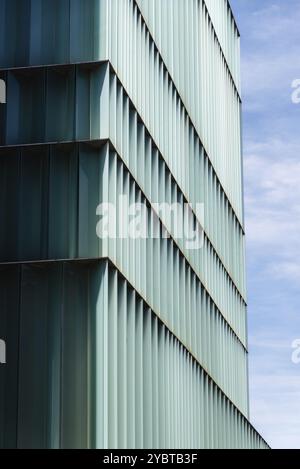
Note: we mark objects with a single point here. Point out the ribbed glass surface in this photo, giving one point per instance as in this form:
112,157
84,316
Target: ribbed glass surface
121,342
190,77
199,71
111,373
77,179
97,89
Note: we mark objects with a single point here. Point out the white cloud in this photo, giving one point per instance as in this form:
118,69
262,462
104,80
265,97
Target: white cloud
275,388
272,198
278,423
286,270
269,343
272,189
270,62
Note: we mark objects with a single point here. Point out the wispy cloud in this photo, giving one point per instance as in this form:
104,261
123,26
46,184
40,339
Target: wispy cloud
273,207
270,62
270,53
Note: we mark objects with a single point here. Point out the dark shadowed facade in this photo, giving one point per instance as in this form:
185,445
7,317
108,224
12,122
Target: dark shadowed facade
121,343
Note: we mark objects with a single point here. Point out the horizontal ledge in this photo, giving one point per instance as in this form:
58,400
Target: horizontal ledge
98,143
95,64
95,261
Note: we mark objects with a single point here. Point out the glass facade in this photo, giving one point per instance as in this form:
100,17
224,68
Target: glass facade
121,343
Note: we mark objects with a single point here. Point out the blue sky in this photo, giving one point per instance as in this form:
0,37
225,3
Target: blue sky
270,32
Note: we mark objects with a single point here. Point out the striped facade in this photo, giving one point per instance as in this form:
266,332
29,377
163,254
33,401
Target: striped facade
121,343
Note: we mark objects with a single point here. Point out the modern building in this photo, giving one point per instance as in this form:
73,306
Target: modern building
121,342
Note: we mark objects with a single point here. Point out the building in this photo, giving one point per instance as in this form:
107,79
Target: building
121,343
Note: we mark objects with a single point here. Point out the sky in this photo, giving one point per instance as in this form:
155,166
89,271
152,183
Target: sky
270,46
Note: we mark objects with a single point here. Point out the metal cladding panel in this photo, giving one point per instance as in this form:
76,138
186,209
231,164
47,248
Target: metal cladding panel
193,66
111,373
183,41
142,344
168,18
62,224
39,32
93,92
